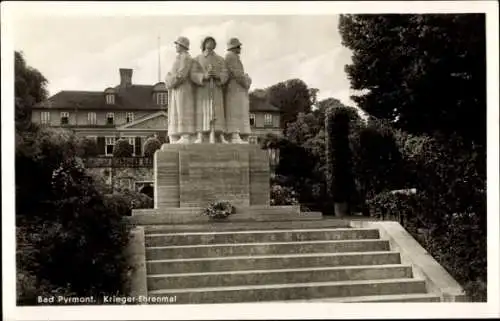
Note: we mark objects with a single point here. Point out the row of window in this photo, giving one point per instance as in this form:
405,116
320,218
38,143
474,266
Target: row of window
110,118
110,141
91,118
161,99
268,119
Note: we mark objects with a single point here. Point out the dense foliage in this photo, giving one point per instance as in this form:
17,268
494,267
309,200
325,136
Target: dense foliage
151,145
123,148
87,147
70,237
292,97
30,88
426,73
283,195
339,177
428,131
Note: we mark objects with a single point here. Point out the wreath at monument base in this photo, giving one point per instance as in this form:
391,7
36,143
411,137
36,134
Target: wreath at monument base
219,210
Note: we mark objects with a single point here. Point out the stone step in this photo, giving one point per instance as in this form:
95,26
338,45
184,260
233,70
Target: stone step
226,237
281,276
246,226
296,291
251,249
266,262
413,297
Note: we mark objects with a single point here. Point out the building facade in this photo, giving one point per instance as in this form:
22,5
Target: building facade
131,111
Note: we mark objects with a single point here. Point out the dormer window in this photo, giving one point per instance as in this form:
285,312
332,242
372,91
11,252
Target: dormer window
161,99
110,118
110,99
64,118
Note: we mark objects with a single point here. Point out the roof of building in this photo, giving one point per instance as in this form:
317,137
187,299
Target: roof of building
133,97
261,104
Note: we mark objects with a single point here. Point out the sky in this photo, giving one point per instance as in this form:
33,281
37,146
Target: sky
85,53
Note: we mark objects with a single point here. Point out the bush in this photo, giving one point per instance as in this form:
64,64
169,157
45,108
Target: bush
124,202
399,207
87,147
123,148
38,153
68,241
151,145
449,207
339,179
377,162
282,195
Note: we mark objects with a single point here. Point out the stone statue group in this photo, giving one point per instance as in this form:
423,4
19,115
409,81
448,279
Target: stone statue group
208,95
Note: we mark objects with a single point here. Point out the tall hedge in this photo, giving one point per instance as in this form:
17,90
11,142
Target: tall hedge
123,148
339,178
151,145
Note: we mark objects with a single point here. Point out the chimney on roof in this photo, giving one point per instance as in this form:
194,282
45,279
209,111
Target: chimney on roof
125,77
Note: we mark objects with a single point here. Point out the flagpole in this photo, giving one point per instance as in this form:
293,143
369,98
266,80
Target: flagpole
159,61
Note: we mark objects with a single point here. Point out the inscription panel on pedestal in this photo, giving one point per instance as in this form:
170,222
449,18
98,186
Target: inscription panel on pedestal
214,174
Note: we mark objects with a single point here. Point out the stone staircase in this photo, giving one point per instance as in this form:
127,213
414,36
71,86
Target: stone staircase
314,264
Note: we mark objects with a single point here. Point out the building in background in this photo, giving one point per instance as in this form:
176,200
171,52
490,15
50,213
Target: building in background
131,111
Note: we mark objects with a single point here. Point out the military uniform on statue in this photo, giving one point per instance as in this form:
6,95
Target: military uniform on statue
210,75
237,101
180,95
208,97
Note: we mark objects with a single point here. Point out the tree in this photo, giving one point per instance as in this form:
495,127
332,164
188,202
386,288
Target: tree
291,97
339,179
30,88
151,145
39,152
87,147
123,148
425,73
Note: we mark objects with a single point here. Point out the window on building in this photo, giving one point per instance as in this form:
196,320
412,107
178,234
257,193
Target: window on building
45,117
161,98
130,117
252,119
268,120
110,99
131,141
64,118
110,144
110,118
92,118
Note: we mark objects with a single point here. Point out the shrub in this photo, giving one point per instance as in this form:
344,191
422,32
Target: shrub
123,148
339,177
218,210
283,195
393,206
124,202
87,147
69,241
151,145
448,213
377,162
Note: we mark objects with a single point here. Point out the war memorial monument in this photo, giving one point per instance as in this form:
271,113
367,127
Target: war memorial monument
259,252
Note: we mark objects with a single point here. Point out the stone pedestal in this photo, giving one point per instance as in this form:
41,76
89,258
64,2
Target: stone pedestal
193,175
